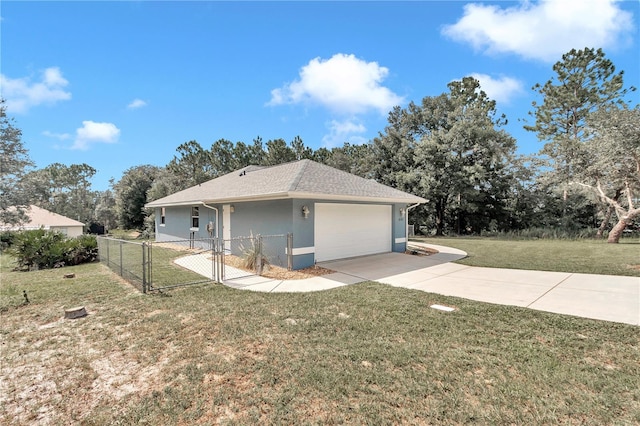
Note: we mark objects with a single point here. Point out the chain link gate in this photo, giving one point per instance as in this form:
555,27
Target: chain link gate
180,263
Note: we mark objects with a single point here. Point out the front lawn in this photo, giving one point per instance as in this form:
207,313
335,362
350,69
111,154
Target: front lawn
578,256
361,354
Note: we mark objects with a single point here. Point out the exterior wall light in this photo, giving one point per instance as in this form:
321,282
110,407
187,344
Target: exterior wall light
305,211
402,211
232,208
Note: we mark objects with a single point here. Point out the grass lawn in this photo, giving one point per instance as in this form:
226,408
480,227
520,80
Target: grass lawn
361,354
578,256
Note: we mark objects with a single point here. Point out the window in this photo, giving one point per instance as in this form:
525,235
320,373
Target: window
195,217
162,216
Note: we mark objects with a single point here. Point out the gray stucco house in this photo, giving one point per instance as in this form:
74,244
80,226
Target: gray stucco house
331,214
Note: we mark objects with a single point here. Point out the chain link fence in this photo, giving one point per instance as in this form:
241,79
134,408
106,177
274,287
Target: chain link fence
252,255
152,266
125,258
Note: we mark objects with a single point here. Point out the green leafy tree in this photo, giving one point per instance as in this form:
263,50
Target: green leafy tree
242,155
131,195
614,150
585,81
222,157
192,164
257,153
278,152
354,159
105,210
14,164
63,189
321,155
300,150
450,150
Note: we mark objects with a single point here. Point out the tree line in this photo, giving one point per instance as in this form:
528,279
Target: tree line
450,149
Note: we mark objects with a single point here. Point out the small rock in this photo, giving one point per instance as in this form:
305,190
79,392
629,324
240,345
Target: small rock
291,321
366,364
343,315
69,276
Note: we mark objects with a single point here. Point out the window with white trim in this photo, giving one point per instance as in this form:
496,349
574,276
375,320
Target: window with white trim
162,215
195,217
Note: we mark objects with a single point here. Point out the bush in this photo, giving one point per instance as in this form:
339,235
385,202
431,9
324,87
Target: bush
6,239
40,249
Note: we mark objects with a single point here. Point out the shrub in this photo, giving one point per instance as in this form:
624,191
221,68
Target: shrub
6,239
40,249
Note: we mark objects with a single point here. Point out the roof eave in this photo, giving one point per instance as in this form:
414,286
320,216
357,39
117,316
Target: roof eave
293,195
361,198
261,197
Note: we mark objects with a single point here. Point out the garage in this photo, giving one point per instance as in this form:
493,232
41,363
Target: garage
349,230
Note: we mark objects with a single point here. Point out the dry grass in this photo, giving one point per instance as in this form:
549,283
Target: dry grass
361,354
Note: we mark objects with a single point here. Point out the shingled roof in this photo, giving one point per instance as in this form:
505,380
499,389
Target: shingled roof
298,179
42,218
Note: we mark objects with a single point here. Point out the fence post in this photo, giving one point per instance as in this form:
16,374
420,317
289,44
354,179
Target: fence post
259,254
150,265
121,272
222,253
213,260
289,251
144,267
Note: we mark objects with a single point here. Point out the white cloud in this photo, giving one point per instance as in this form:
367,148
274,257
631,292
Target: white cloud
23,93
136,103
59,136
501,89
544,30
92,132
343,84
344,131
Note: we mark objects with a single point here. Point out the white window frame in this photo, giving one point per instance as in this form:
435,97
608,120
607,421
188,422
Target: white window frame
195,218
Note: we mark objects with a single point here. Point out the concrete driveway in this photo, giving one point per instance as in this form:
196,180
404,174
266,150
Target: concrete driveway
603,297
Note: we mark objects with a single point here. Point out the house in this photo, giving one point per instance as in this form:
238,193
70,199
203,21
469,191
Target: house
39,218
332,214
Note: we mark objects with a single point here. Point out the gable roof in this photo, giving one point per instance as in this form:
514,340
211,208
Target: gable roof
42,218
298,179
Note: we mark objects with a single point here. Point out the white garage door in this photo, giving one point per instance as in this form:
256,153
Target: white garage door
348,230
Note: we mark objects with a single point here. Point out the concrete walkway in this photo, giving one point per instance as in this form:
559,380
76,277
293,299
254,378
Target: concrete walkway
603,297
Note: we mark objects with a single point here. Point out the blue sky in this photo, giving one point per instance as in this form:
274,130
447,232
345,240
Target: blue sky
119,84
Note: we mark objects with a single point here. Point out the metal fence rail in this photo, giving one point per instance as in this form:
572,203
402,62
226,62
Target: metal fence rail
152,266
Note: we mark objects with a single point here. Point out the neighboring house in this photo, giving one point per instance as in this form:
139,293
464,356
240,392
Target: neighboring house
41,218
332,214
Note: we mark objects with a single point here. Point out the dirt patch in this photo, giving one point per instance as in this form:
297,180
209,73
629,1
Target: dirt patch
634,267
277,272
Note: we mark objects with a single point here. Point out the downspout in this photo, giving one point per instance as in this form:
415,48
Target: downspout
216,210
406,220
